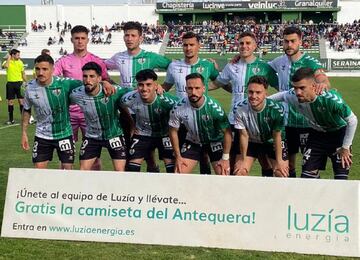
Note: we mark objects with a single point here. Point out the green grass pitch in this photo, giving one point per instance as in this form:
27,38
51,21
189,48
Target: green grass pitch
13,156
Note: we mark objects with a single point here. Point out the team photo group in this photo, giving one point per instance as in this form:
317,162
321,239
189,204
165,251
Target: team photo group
305,118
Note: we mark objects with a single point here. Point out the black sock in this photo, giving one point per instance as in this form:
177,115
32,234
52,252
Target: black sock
133,167
170,168
204,167
267,172
292,173
11,113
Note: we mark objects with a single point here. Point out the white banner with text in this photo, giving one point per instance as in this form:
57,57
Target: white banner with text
269,214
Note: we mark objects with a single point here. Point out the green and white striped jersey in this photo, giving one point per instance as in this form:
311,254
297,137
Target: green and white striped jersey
238,75
101,113
327,113
151,119
129,65
179,69
51,107
260,124
204,124
285,69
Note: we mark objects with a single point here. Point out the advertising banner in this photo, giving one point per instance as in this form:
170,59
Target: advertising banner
269,214
347,64
223,5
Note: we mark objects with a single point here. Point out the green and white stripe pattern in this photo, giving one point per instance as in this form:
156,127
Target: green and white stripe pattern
326,113
101,113
204,124
260,124
129,65
286,69
179,69
238,75
51,107
151,119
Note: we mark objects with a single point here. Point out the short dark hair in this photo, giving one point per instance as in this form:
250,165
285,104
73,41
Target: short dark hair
44,58
195,75
14,51
247,34
146,74
261,80
79,29
190,35
133,26
92,66
303,73
45,51
291,30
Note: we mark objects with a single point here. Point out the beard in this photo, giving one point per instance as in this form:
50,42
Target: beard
89,90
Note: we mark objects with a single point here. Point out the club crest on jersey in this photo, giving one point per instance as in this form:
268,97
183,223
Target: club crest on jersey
200,69
105,100
56,92
321,109
205,117
141,61
158,111
256,70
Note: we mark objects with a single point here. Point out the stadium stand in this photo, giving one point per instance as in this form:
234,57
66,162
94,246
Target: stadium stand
221,37
10,37
50,39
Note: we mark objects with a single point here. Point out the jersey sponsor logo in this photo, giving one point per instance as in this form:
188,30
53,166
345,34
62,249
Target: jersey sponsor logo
56,92
122,62
180,71
36,96
115,142
64,145
200,69
283,67
166,142
216,147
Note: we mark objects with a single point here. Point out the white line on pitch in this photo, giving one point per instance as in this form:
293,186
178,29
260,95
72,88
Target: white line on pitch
4,127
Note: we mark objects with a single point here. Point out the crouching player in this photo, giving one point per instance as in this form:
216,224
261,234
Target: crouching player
152,116
208,129
103,128
260,122
332,121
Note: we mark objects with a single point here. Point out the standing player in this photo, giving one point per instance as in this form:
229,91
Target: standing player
207,126
238,74
131,61
152,117
134,59
15,75
103,128
297,127
260,122
332,121
50,98
70,66
179,69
